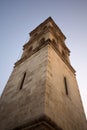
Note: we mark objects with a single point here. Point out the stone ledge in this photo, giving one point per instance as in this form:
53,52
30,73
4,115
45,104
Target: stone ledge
40,123
47,42
33,52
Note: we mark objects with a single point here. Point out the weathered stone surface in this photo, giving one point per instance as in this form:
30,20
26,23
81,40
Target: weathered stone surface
20,106
38,100
65,110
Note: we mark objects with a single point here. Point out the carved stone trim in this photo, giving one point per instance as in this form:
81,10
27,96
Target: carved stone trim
50,42
39,123
46,21
65,61
34,51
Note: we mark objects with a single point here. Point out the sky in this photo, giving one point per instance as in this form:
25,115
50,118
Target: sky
19,17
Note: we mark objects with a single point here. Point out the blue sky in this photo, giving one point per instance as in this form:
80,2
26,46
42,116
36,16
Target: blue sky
19,17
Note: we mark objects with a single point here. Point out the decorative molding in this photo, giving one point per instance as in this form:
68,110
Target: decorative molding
54,46
39,123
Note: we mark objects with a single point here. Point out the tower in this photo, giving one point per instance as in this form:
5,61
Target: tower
42,91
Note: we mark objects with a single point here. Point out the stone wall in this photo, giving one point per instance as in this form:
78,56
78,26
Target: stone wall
64,109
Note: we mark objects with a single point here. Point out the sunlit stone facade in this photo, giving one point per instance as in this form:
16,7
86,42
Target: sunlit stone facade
42,91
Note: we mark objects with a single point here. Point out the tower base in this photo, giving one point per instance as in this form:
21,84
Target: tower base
42,123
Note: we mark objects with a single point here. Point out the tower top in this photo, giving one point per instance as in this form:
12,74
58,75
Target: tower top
46,33
50,21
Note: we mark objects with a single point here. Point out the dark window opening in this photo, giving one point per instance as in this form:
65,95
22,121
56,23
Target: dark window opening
66,87
63,54
35,34
53,41
22,81
30,49
45,28
42,41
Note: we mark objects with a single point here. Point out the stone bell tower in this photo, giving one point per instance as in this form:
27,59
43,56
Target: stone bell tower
42,91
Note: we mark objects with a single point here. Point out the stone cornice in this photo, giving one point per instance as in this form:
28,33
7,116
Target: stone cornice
34,51
51,30
50,42
41,121
64,60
